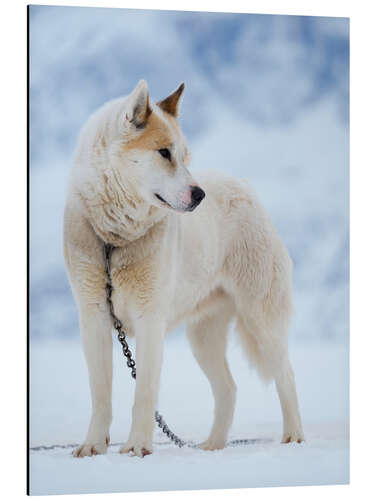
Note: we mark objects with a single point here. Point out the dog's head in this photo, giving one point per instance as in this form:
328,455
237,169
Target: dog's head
151,153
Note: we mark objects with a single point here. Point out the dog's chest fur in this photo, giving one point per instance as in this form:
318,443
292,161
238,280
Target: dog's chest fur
159,271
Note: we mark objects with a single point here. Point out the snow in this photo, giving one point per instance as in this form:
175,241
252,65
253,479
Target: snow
60,409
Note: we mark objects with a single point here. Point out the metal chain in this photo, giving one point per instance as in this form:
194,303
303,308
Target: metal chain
232,443
121,335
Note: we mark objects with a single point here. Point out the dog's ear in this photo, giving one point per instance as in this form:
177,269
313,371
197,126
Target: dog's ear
171,103
139,106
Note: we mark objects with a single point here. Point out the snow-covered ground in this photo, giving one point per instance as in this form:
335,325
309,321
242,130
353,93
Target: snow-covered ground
60,409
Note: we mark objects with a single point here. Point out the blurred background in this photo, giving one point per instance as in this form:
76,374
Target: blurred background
266,98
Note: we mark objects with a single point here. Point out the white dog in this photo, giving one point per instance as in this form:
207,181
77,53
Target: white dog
223,259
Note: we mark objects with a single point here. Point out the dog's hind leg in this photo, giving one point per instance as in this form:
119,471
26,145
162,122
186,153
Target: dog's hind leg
265,344
286,388
96,333
208,340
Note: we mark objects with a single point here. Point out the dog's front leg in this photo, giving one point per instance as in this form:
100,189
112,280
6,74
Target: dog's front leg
96,333
149,332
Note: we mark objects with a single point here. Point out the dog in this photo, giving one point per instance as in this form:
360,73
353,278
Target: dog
200,250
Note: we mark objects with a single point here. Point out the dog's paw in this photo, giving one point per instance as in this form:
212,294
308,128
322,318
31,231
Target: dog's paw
293,436
91,449
137,449
212,444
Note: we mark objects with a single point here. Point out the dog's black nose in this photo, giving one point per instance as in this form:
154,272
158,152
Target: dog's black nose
197,195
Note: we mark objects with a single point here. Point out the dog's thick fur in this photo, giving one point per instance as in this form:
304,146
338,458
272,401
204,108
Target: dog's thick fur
222,261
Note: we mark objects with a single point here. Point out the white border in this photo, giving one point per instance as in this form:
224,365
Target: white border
13,230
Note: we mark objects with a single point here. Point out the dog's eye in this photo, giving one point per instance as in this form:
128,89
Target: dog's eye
165,153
